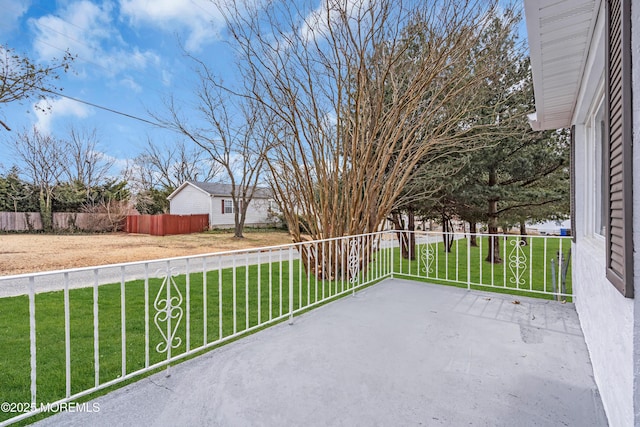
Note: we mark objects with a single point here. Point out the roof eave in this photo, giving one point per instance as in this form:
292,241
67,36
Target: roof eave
182,186
559,36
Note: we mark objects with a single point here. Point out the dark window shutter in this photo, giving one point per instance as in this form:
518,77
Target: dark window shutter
222,205
573,183
619,156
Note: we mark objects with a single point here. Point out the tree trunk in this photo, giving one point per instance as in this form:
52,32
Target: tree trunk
411,240
238,219
523,233
396,219
493,254
473,229
406,240
45,212
446,230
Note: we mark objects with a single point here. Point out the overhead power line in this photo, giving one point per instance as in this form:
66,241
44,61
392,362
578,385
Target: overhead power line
111,110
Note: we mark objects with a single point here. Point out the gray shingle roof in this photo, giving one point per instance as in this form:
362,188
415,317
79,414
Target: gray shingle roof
219,189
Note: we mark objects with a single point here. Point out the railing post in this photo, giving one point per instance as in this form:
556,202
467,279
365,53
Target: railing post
291,285
32,337
392,251
67,335
469,262
123,323
96,329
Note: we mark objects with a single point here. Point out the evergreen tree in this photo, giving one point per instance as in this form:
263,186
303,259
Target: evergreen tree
16,195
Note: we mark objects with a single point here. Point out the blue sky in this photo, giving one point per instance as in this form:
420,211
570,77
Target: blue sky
128,58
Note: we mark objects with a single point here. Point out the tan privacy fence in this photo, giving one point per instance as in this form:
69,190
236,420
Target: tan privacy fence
62,221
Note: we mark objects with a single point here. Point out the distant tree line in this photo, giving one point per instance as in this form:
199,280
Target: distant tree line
61,175
17,195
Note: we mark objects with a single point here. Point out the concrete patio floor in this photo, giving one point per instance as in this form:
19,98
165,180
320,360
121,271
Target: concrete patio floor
398,353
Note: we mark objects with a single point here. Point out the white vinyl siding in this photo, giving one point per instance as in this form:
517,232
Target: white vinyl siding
257,213
188,201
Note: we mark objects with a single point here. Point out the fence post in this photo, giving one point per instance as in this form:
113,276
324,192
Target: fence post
291,285
469,262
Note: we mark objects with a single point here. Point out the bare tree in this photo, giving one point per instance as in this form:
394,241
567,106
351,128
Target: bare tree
233,134
169,165
44,159
357,105
163,167
22,79
111,210
87,165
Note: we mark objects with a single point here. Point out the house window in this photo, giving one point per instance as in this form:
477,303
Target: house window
595,195
228,206
600,188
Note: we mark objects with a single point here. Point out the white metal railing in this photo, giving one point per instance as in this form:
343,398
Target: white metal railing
73,332
91,328
518,264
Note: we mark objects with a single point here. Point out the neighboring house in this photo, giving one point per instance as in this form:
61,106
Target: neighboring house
585,56
550,228
215,199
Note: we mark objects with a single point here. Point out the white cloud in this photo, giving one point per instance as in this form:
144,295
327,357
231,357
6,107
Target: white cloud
80,28
199,18
12,11
167,78
130,83
47,110
87,30
316,23
118,165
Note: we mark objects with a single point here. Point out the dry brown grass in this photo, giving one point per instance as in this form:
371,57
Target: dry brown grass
26,253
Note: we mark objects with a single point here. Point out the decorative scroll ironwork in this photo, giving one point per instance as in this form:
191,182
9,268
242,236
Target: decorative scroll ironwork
354,260
169,312
517,262
427,256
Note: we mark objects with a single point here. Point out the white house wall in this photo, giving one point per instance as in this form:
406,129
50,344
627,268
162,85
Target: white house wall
192,200
607,318
189,201
605,315
635,47
257,213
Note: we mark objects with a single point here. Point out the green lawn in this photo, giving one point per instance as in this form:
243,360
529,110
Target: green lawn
260,296
531,275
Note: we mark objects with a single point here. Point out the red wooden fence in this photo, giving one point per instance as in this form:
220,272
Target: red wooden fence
162,225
